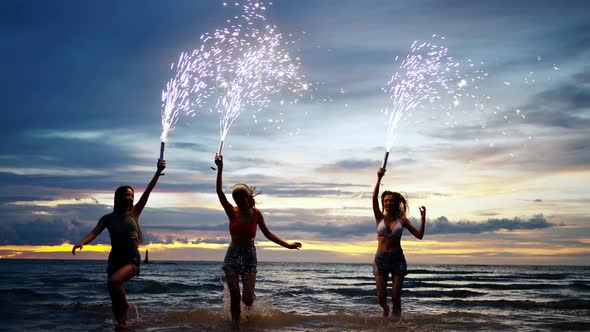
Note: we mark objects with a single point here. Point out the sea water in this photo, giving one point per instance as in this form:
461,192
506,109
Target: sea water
71,295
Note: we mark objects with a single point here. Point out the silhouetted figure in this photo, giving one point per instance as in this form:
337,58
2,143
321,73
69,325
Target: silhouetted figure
389,259
240,259
125,233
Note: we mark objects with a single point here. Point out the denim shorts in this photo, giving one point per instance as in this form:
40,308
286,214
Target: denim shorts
120,258
240,260
390,262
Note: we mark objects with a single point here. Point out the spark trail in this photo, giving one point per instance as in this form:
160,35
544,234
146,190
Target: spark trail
238,67
427,75
250,65
184,92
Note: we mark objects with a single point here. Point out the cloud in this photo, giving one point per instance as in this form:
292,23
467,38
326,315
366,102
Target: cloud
345,165
564,106
443,226
46,232
191,146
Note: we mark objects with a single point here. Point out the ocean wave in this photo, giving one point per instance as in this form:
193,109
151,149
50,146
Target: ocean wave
579,285
459,293
16,295
352,292
90,305
490,286
565,304
156,287
568,326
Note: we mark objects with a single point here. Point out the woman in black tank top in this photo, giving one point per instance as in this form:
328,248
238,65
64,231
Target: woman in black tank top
123,227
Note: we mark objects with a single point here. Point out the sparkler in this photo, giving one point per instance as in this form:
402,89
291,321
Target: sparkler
249,65
189,79
427,74
384,164
243,65
424,71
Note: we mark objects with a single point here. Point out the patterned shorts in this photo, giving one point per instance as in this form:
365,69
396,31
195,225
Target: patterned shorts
390,262
240,260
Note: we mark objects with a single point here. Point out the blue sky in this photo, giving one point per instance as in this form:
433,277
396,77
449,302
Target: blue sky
81,87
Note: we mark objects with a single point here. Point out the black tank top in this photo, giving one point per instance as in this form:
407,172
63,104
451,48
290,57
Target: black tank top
123,231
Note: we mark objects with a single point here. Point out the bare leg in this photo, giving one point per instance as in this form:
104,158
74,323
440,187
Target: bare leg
381,282
248,283
118,298
233,284
396,296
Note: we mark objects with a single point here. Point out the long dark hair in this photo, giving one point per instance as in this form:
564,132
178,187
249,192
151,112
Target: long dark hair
118,208
401,204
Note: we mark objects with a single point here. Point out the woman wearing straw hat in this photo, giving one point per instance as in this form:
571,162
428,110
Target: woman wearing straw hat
240,259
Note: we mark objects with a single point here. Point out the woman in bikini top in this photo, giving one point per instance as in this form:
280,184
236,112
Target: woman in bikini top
389,258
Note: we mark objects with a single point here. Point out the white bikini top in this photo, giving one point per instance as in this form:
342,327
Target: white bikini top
396,232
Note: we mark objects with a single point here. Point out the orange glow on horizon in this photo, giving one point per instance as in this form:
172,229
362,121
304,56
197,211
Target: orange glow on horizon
424,248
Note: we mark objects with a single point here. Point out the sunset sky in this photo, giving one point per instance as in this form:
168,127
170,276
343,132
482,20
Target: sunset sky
81,92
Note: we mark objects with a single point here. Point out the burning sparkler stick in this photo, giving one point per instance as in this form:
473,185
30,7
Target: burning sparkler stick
162,147
384,164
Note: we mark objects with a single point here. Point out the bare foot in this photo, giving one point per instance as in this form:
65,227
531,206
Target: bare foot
235,325
247,312
123,316
385,313
121,327
126,313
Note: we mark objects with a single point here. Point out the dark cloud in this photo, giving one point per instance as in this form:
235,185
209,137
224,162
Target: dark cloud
191,146
96,75
35,225
313,189
46,152
583,77
443,226
565,106
348,165
47,232
330,230
551,151
193,227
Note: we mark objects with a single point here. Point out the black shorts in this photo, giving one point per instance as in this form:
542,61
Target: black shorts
120,258
240,260
390,262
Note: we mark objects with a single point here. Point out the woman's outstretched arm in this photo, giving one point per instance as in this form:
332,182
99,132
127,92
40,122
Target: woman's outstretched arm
418,233
100,226
376,210
271,236
146,194
229,209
